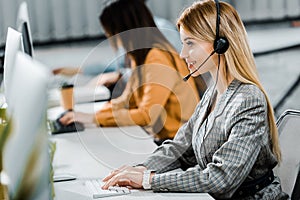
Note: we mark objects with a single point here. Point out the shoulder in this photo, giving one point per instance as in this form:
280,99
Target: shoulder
157,65
161,57
250,91
250,94
239,91
246,109
163,62
166,57
247,97
242,97
156,54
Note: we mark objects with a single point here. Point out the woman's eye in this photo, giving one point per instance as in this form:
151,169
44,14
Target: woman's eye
189,43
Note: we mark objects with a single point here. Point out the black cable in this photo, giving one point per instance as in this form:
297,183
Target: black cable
218,19
208,109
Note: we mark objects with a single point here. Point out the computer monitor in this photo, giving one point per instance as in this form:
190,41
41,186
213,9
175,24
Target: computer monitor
23,26
27,44
25,156
12,46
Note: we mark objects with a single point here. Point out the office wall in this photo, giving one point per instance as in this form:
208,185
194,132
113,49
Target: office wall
255,10
54,19
67,19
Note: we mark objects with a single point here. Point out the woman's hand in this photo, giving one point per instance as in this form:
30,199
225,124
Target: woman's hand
70,117
67,71
125,176
105,79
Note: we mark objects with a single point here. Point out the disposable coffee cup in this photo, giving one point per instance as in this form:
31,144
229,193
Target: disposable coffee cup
67,99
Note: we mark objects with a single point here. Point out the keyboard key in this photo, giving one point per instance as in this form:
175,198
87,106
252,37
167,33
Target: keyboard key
94,187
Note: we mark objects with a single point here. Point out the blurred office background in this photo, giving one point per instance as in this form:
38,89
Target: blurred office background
53,20
65,31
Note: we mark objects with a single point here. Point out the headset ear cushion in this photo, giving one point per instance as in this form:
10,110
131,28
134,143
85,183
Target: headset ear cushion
221,45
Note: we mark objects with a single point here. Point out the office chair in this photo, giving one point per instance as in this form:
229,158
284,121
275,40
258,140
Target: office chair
296,190
289,138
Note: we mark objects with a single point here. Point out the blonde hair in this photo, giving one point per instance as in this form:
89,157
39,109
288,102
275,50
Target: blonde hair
200,20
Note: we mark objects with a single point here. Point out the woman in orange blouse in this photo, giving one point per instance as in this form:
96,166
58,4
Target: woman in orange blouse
155,97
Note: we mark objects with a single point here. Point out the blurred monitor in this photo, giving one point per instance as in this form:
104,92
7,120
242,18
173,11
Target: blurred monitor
25,156
23,26
27,44
12,46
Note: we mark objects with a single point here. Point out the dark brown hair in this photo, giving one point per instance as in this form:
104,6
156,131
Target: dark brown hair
132,22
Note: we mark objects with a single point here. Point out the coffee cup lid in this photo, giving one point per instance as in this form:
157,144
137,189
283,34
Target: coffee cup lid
67,86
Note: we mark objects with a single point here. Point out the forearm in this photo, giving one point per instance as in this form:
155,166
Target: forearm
168,164
192,180
176,153
122,117
173,154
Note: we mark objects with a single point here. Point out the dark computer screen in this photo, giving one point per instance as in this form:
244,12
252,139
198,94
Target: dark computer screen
26,39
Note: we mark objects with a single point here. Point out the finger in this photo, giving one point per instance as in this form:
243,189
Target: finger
108,177
115,172
64,118
71,120
56,71
112,173
133,180
111,182
67,118
120,169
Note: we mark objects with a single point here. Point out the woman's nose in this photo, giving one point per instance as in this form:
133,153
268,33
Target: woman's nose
183,53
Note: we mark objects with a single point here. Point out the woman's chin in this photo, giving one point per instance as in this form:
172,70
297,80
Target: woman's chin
197,73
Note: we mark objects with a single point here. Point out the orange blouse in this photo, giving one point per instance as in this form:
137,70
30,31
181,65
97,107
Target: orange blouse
161,103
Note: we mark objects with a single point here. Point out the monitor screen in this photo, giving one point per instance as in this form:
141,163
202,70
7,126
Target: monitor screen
23,26
27,43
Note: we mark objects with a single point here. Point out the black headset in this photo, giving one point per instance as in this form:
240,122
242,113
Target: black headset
221,44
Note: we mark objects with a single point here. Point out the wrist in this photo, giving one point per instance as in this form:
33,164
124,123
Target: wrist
147,179
95,120
122,71
151,177
118,74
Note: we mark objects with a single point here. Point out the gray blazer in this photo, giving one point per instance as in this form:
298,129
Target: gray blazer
217,156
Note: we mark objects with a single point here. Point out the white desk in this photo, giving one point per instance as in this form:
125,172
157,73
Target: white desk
95,152
54,112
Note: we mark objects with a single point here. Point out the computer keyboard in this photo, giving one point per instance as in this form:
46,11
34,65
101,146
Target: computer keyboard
56,127
94,187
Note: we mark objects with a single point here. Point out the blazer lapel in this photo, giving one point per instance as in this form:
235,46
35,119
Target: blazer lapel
221,104
204,105
232,88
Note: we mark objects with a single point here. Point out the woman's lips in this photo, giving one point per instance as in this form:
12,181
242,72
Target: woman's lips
191,66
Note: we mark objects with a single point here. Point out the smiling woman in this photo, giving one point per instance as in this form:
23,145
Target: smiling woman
229,146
